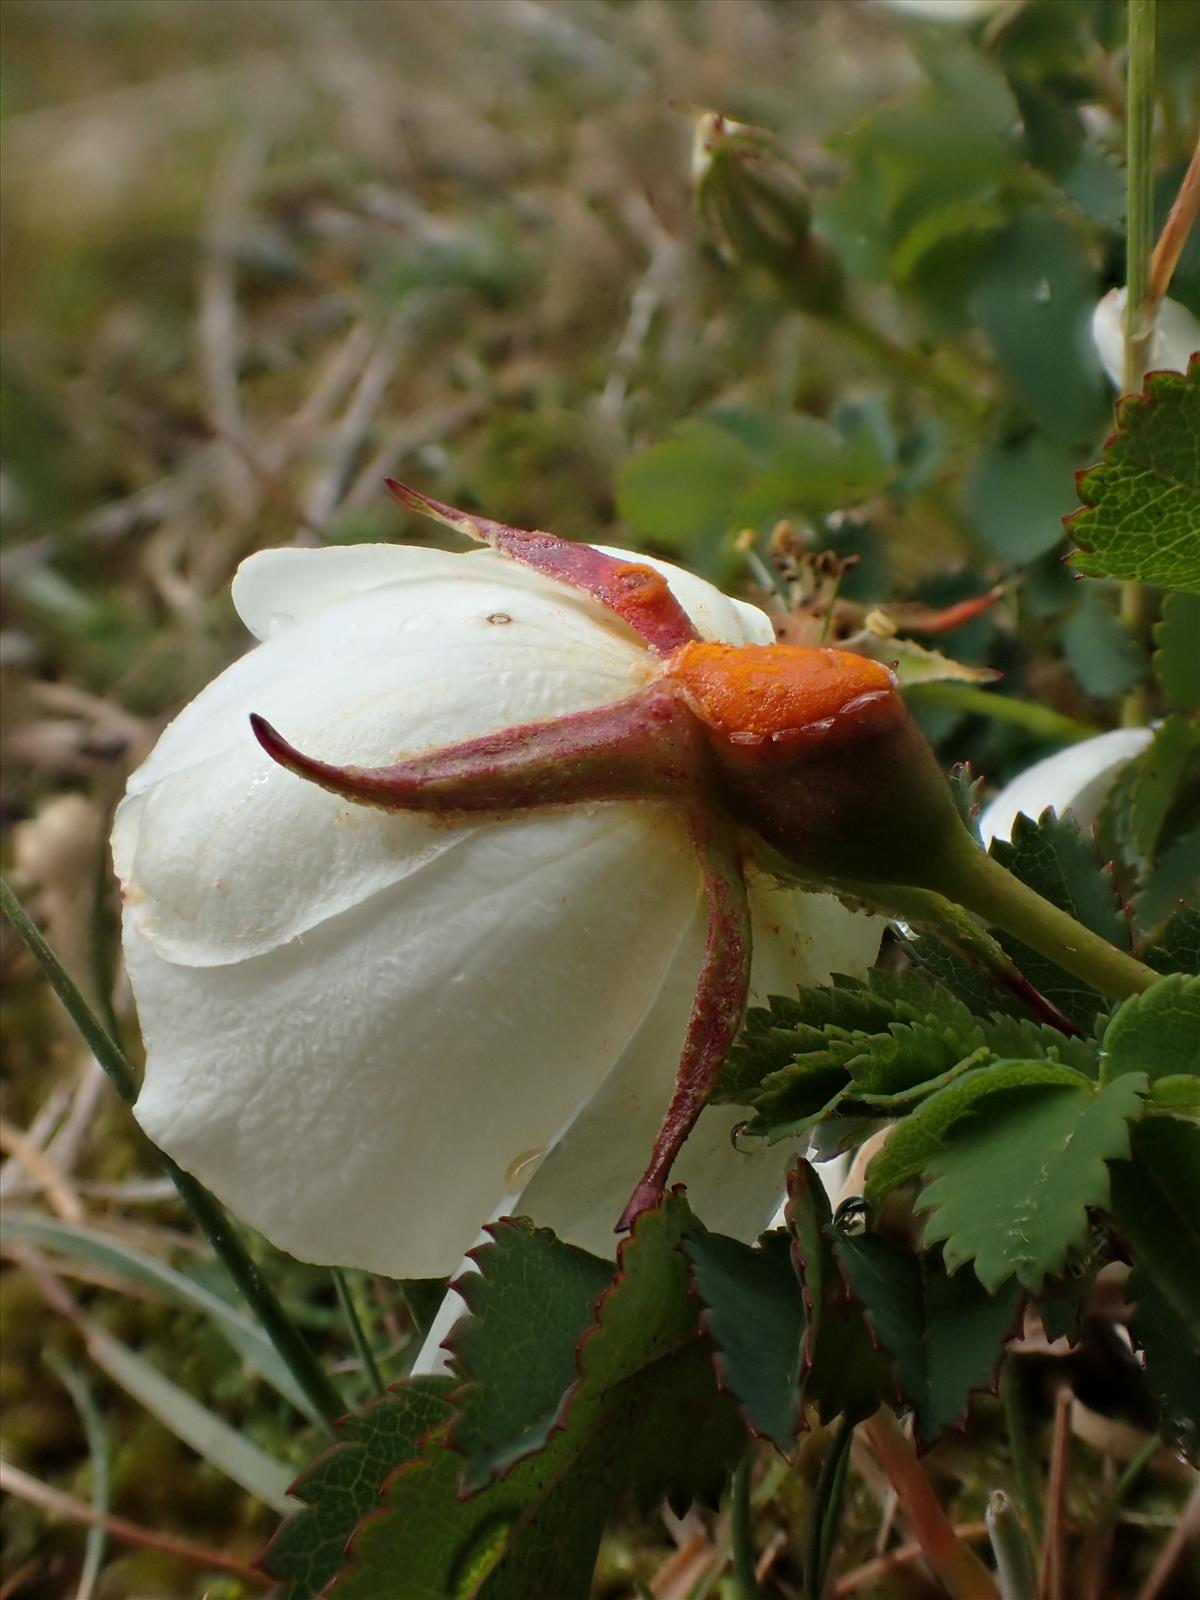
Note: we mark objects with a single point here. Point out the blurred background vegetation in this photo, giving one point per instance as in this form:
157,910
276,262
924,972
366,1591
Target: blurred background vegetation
258,254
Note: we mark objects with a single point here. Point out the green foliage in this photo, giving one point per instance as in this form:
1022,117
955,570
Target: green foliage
924,1134
342,1485
1011,1194
754,1314
1018,494
1165,772
882,1046
1142,504
1156,1033
736,469
516,1353
1061,863
1034,299
1177,659
846,1375
637,1409
1178,949
946,1334
1100,650
1156,1209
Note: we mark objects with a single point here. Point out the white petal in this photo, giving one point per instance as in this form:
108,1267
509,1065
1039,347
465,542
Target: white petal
946,10
274,589
1077,779
581,1186
1176,337
228,855
362,1094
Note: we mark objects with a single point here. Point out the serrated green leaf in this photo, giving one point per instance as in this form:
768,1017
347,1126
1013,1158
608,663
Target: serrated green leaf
343,1484
914,1143
808,1216
1100,650
1165,774
1171,884
1156,1033
1177,659
946,1334
844,1373
537,1532
1141,506
754,1315
1178,949
1022,1039
1062,864
882,1036
529,1301
1011,1194
645,1415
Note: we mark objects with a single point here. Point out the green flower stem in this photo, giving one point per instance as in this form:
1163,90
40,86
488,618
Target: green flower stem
362,1346
1136,610
214,1223
1037,719
1014,1565
827,1511
745,1582
982,885
1020,1442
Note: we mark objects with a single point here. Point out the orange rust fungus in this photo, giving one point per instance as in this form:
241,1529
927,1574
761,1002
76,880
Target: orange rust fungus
759,694
640,586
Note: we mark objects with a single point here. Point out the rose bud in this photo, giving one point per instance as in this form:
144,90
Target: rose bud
369,1030
755,206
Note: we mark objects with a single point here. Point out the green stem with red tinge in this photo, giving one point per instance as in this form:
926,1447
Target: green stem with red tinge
1002,900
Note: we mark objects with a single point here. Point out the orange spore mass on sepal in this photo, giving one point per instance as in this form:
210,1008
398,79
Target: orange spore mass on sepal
781,694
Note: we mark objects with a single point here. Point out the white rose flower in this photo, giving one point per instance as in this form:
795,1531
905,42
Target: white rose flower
369,1032
1077,780
1175,340
961,11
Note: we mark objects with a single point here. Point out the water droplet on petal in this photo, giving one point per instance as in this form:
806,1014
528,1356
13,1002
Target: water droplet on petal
521,1168
419,622
745,1142
278,621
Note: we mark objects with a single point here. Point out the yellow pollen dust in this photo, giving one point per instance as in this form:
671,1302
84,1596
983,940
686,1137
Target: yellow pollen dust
753,693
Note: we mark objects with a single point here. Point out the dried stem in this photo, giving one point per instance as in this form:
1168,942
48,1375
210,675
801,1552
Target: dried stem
959,1569
1174,237
25,1487
1054,1564
1186,1532
902,1556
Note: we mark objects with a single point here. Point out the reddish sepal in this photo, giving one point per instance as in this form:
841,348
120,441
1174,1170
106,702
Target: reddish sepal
636,593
